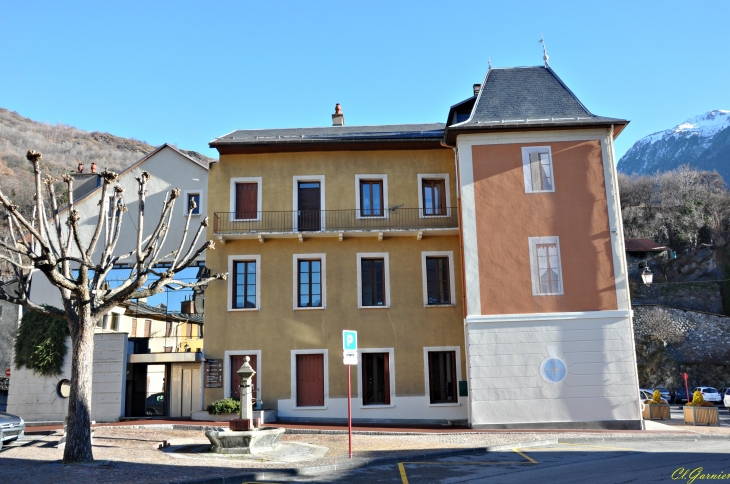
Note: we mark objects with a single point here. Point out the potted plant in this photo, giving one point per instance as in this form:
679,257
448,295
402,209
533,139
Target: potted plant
656,408
700,412
220,411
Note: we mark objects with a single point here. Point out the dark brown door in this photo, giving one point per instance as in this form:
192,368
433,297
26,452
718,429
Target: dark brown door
246,201
309,206
310,380
236,363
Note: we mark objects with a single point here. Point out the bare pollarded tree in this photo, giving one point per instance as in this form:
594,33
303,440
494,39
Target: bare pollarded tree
55,248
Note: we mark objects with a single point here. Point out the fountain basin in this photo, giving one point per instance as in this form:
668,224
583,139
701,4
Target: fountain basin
245,442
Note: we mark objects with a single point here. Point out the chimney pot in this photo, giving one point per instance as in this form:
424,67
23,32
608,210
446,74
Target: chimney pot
80,167
477,88
338,119
93,167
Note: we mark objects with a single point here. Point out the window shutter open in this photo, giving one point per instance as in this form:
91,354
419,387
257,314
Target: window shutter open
535,171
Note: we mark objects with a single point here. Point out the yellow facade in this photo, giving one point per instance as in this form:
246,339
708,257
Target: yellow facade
276,327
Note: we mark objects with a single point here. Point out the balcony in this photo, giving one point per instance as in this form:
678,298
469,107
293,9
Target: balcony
397,221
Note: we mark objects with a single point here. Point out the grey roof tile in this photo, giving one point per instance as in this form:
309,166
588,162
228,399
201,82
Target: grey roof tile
396,132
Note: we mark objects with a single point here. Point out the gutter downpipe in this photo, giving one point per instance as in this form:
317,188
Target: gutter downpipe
463,275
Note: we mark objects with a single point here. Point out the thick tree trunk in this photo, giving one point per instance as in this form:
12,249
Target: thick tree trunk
78,438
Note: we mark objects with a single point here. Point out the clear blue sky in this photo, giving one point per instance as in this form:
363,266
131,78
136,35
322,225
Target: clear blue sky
186,72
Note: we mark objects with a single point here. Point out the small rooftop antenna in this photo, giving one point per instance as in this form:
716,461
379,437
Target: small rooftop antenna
544,50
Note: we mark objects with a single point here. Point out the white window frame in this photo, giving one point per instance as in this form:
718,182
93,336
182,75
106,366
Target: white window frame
259,198
391,376
295,279
426,350
447,187
201,206
424,275
386,263
295,198
294,354
227,370
242,258
360,178
527,174
533,242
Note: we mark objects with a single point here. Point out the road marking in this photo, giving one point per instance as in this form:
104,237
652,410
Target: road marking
404,476
526,456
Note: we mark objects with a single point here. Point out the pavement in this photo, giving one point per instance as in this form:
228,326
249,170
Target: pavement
129,452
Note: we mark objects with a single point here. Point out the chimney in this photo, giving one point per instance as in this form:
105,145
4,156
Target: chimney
477,88
338,119
80,167
187,306
93,167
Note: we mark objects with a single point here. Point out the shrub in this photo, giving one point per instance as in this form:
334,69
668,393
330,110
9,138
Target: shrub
656,399
40,344
699,401
227,405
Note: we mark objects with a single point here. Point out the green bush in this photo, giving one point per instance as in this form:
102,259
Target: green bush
40,344
227,405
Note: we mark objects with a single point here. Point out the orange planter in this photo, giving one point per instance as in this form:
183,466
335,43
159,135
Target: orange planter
655,411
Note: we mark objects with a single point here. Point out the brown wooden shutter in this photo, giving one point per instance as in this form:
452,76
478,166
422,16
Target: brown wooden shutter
246,200
535,171
189,330
236,362
134,327
310,380
386,377
147,327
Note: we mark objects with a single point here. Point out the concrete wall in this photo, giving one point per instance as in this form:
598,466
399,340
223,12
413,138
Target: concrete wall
507,388
35,397
9,319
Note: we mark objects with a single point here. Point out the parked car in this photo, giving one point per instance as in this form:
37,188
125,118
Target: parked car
646,394
680,396
726,399
710,394
11,427
155,404
666,394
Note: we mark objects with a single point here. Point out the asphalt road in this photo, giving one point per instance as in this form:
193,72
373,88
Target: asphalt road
615,462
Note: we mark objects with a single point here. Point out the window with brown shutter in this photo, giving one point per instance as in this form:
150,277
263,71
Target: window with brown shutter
310,380
147,327
247,201
376,378
188,330
236,363
538,169
134,327
434,197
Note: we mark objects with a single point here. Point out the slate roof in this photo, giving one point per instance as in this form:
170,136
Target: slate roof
135,308
526,96
332,134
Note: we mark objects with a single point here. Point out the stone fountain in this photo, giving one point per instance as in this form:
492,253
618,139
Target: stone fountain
244,436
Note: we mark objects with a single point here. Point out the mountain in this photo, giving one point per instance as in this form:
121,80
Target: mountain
702,142
62,147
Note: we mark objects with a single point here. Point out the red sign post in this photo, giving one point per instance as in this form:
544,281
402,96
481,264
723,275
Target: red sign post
686,388
7,372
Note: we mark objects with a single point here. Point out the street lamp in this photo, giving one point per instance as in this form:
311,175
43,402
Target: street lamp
647,276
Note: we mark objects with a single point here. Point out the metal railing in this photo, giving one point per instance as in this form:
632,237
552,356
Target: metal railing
334,220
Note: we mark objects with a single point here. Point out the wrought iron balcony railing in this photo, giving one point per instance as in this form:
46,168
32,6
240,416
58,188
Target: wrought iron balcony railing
393,219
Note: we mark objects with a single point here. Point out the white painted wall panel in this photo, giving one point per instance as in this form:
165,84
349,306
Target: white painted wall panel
506,386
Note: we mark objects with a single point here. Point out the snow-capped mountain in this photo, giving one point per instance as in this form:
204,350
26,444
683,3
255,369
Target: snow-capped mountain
701,141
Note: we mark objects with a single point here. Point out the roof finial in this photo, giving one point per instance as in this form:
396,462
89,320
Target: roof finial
489,62
544,50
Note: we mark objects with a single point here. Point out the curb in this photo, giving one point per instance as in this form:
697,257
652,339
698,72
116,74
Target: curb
357,463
